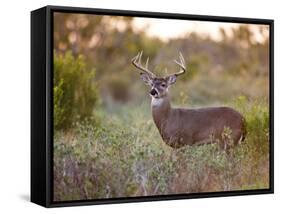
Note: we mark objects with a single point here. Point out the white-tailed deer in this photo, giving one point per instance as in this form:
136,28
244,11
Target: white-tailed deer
179,127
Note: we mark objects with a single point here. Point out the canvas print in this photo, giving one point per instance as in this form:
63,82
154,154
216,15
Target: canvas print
154,106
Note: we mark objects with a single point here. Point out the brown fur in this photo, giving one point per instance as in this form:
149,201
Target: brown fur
179,127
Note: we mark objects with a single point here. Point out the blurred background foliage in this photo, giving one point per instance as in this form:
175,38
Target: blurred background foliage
217,70
106,144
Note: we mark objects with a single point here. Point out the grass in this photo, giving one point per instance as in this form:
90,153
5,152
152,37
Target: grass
123,155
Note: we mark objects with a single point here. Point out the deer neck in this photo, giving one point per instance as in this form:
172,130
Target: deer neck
161,108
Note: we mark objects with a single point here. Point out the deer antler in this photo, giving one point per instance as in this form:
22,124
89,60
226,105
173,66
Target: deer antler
136,61
181,64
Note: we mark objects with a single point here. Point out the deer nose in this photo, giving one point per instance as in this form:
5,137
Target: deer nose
153,92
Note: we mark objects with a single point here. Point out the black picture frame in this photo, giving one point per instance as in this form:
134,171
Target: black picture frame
42,104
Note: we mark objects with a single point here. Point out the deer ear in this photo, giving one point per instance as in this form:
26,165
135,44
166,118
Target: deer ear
146,78
171,79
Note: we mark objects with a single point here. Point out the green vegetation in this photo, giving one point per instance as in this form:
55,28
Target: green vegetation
125,157
75,92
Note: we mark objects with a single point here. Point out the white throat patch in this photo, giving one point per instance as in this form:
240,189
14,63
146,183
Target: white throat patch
156,101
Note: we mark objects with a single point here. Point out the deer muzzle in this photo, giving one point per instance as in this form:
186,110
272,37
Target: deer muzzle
153,92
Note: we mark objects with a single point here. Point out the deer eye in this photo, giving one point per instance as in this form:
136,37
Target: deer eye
163,84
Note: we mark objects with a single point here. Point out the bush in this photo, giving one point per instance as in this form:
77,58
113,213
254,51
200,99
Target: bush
125,157
75,93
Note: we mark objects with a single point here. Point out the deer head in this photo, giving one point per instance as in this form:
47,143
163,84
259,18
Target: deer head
159,85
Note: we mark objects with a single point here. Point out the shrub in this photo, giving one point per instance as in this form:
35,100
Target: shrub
125,157
75,93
